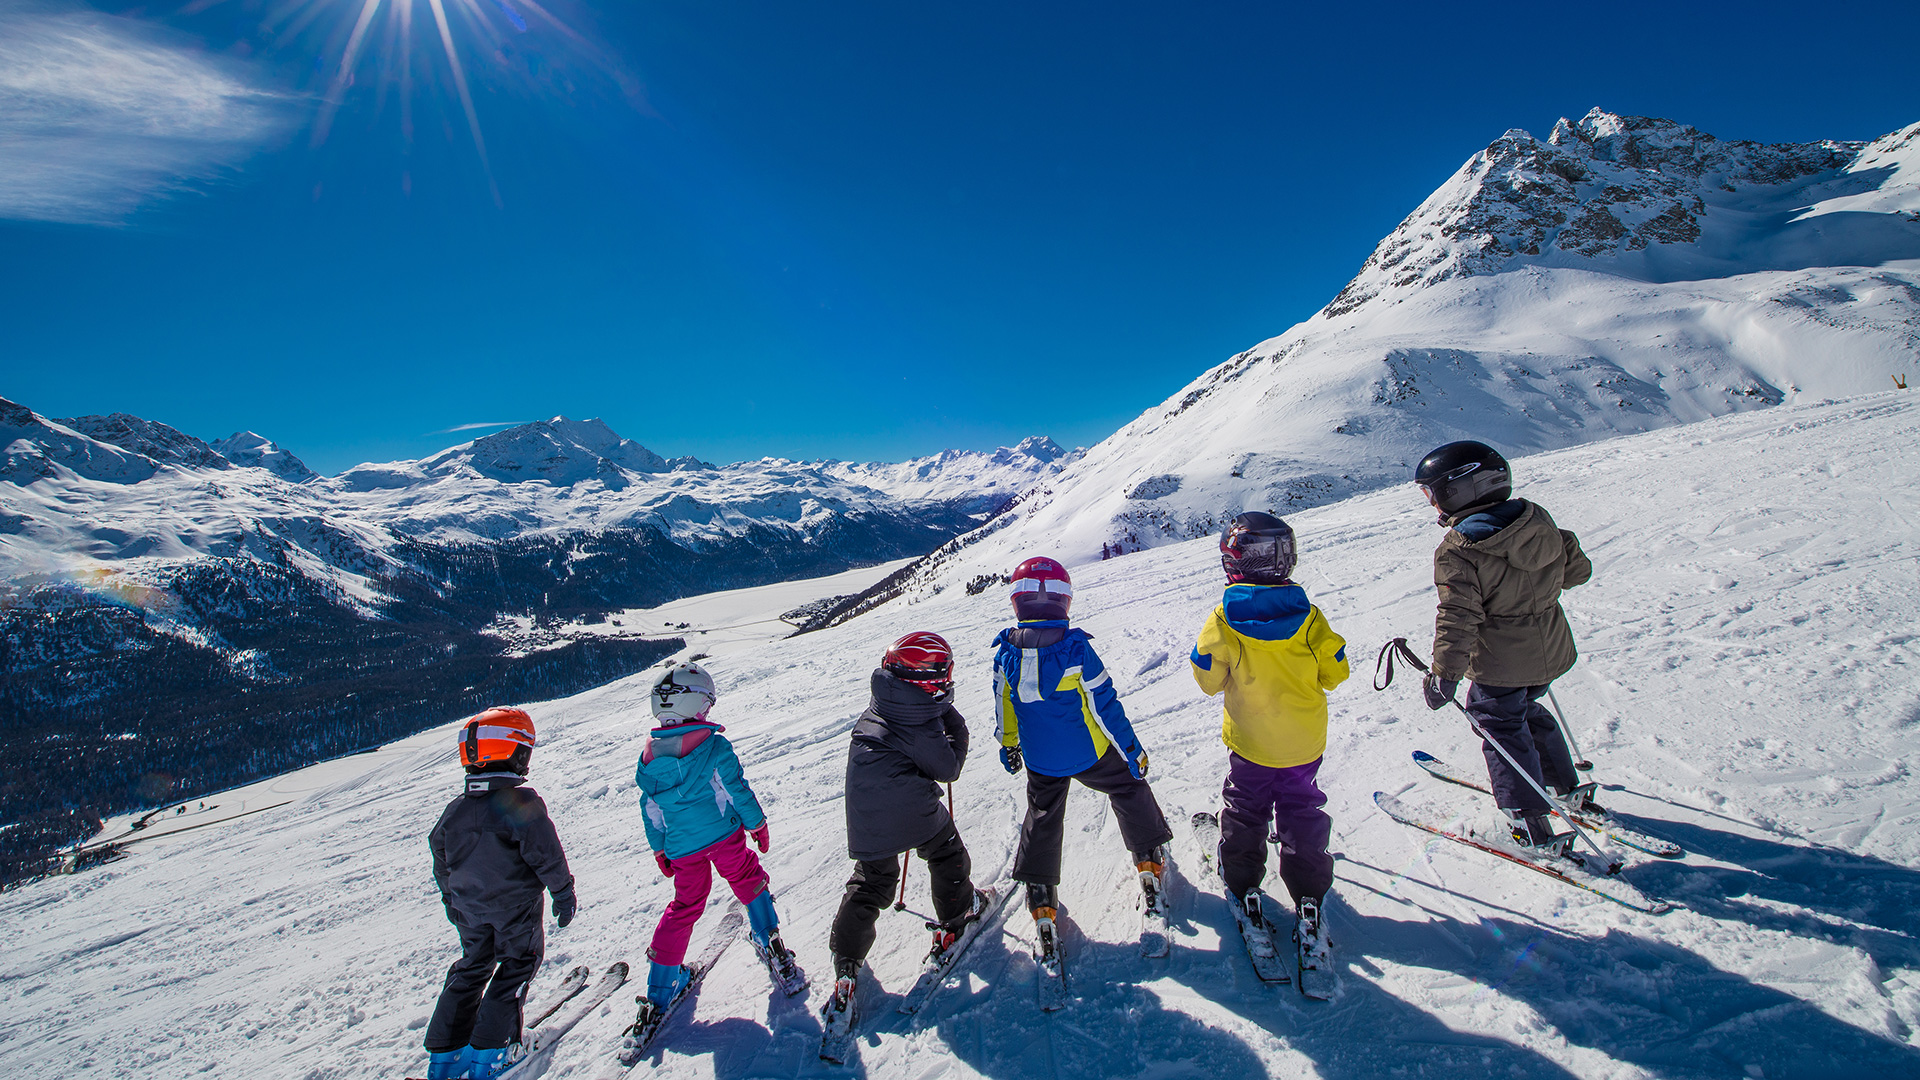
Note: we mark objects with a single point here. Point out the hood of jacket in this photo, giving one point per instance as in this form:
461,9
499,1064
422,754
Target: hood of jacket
898,701
1266,612
1513,531
677,740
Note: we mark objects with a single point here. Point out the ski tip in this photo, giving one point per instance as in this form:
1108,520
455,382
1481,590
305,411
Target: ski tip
1204,818
1422,755
618,970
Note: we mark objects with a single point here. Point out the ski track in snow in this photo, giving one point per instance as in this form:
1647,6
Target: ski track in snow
1747,688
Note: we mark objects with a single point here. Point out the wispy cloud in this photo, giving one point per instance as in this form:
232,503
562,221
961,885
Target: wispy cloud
476,427
99,115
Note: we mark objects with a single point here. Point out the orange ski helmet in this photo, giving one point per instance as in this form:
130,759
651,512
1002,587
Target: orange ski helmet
494,737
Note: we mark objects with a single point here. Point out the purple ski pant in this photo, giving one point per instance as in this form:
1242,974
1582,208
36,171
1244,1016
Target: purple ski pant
1290,800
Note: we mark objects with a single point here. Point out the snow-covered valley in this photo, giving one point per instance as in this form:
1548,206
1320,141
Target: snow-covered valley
1747,689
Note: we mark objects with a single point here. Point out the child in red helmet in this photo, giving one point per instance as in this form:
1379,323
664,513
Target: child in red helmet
1061,720
494,851
908,742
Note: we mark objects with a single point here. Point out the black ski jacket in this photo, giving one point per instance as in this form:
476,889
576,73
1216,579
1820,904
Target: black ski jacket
494,849
903,748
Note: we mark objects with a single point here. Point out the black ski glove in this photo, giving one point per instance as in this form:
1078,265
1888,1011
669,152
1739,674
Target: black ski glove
565,904
1010,758
1439,692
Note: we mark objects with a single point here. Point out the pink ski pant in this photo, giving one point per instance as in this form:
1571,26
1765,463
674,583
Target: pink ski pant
692,878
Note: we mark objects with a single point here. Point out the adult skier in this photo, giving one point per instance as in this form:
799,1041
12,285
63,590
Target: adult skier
494,851
1500,570
1271,650
1062,721
908,742
699,812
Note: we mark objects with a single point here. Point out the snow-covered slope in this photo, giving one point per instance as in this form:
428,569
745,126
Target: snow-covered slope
1746,689
1624,275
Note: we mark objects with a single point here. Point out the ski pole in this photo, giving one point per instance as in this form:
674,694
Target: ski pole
1566,732
1399,645
906,860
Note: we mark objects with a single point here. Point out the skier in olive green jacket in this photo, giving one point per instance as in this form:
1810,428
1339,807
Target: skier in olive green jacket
1500,571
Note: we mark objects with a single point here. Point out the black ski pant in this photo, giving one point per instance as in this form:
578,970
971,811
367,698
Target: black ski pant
873,881
1289,800
480,1004
1514,717
1142,825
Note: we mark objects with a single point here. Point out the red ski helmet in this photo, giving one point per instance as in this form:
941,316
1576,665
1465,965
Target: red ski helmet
498,736
924,659
1041,590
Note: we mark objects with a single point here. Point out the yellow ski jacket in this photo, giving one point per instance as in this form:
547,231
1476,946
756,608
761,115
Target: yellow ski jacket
1273,653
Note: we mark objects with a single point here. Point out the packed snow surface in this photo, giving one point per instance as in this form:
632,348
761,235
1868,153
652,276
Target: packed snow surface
1747,688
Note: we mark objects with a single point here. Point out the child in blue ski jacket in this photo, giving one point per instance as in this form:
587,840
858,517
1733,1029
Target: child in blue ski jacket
1061,720
699,812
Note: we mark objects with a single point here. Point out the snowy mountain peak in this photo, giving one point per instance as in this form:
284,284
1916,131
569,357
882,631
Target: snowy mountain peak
1652,199
150,438
248,450
33,448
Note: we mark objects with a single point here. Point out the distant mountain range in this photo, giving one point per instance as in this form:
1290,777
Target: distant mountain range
1623,274
179,614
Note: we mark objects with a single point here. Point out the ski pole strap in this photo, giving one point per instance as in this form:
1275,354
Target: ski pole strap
1383,664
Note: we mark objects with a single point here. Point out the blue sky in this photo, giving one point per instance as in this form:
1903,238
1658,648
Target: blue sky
853,230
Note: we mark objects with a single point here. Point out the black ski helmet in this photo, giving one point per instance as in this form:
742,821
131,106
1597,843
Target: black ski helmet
1257,549
1464,474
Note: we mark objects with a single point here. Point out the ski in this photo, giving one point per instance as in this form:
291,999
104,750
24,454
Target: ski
840,1022
934,975
538,1045
1156,940
1257,936
1608,825
575,982
1051,964
647,1026
781,966
1566,871
1312,955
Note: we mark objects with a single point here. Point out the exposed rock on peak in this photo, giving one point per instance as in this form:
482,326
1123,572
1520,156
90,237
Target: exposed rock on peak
166,445
1641,197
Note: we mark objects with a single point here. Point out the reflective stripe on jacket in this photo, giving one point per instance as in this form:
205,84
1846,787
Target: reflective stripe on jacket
1057,703
1273,653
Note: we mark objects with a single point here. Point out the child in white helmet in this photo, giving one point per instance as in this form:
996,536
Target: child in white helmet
699,812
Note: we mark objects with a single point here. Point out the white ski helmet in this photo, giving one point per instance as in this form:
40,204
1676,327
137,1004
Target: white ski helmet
682,692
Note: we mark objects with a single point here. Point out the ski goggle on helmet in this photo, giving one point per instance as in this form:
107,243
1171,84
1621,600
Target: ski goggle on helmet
1041,590
924,659
682,692
494,737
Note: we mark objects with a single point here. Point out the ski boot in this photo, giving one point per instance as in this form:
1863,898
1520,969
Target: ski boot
840,1014
1533,831
1309,932
450,1064
773,953
665,984
946,935
487,1064
1044,902
1152,866
1253,913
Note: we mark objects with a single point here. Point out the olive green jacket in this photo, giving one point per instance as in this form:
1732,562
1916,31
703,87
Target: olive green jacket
1500,622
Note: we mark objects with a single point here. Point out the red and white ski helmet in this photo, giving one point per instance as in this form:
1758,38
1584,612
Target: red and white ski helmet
682,692
924,659
1041,590
495,736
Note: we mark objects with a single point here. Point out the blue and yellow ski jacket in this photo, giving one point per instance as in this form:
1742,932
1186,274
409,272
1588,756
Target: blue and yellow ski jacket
1273,653
1056,702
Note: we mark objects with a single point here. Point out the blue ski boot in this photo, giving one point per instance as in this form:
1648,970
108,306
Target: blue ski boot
772,951
449,1064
